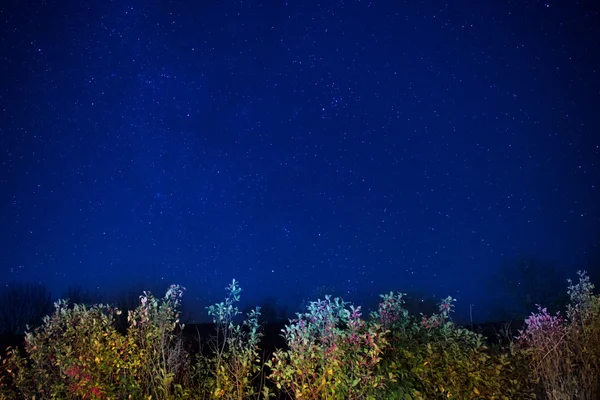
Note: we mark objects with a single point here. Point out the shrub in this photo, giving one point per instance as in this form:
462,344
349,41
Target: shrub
332,354
584,317
159,362
75,354
234,363
547,338
433,358
78,354
565,352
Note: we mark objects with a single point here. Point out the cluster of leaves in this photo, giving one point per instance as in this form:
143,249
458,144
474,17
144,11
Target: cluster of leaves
77,353
332,354
432,358
161,362
565,352
234,366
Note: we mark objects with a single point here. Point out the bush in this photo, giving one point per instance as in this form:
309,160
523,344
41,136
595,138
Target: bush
234,363
160,362
78,354
565,352
75,354
332,354
435,359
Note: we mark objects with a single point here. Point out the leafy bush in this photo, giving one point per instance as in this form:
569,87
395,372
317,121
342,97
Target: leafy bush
78,354
434,358
234,364
75,354
332,354
584,317
160,362
565,352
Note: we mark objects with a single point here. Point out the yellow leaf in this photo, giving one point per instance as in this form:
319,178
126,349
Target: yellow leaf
475,391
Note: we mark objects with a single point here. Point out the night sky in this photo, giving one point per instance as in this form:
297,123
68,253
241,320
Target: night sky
366,145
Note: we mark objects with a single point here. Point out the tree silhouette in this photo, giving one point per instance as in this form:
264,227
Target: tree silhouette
22,305
417,302
526,281
78,295
270,311
593,263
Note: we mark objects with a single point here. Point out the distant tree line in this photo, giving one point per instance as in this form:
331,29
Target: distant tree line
525,281
22,305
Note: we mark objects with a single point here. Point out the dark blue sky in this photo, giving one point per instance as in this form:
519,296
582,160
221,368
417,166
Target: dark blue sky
368,145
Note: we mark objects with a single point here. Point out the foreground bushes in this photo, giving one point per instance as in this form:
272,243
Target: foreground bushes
78,353
565,351
435,359
331,353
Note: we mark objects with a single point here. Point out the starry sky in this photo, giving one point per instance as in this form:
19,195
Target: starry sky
366,145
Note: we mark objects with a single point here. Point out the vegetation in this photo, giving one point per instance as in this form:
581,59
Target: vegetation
22,304
330,352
